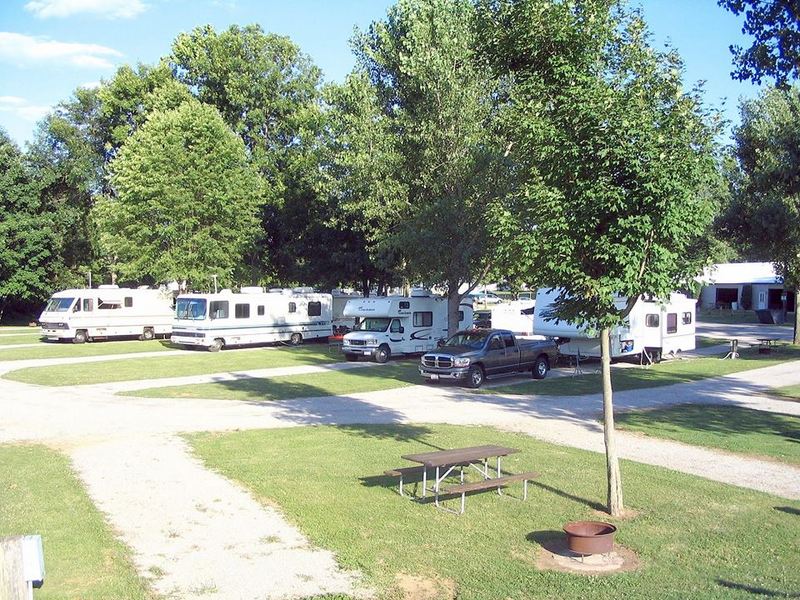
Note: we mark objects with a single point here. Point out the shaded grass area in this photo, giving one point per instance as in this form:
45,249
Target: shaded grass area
187,363
789,392
695,538
726,316
665,373
707,342
731,428
69,350
39,494
327,383
13,338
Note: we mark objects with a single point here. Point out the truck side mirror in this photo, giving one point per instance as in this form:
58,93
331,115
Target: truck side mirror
439,343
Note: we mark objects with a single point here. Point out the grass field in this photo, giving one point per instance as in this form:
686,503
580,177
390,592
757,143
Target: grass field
694,538
790,392
186,363
39,494
708,342
329,383
69,350
707,315
665,373
12,339
730,428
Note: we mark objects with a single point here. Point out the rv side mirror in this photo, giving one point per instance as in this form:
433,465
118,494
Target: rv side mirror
402,330
439,343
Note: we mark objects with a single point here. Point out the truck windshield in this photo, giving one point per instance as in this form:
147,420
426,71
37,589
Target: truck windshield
373,324
470,339
190,308
59,304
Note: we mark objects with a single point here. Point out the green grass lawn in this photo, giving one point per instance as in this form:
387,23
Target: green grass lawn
790,392
730,428
665,373
695,538
13,338
69,350
708,315
707,342
187,363
329,383
39,494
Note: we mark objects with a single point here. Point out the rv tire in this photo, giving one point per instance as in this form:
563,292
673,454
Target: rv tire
217,345
541,367
382,354
296,339
475,377
148,334
80,337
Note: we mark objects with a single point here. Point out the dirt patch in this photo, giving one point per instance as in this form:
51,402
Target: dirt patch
626,515
553,555
419,587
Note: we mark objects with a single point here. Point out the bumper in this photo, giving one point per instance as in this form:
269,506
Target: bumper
360,350
188,341
435,374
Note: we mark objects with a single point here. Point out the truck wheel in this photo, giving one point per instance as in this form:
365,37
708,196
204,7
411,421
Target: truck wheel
541,367
383,354
80,337
296,339
475,377
351,357
217,345
148,334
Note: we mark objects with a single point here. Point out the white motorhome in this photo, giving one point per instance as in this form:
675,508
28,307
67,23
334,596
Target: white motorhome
84,315
651,330
399,325
251,316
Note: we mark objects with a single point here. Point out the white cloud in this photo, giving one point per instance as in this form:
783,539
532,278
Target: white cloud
23,49
22,109
110,9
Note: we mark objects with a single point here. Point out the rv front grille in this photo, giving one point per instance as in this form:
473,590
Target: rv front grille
357,342
192,334
437,361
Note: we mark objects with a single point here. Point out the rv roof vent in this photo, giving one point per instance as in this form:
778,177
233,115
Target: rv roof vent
108,286
287,291
303,290
225,291
251,289
420,293
143,287
275,290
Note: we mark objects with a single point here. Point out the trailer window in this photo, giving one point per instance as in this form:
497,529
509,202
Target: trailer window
672,322
219,309
241,311
292,307
128,301
260,310
687,318
88,304
314,309
190,308
460,316
423,319
405,304
651,320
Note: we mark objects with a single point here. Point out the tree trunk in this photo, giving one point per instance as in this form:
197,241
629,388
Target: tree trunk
615,506
453,305
796,336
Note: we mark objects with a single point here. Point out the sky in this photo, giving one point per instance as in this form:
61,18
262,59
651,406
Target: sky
48,48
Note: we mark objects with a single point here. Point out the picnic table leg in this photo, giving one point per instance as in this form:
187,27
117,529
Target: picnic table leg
424,481
436,488
499,493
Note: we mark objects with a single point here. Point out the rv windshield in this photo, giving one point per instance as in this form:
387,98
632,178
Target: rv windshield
373,324
470,339
190,308
59,304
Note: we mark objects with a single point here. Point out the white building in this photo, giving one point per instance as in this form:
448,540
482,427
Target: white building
744,286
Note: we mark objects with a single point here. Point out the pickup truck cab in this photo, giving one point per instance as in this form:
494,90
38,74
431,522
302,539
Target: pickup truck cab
476,354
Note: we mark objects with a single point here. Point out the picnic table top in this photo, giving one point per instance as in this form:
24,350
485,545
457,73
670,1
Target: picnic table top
458,455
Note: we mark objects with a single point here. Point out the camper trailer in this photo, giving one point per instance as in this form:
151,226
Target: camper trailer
342,324
652,328
399,325
84,315
251,316
516,316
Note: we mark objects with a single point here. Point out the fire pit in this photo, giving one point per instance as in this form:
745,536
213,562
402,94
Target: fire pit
590,537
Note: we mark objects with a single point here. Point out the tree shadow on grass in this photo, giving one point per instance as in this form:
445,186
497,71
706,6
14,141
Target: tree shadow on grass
590,503
759,591
789,510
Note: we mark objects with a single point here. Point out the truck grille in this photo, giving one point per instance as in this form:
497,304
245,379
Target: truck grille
437,361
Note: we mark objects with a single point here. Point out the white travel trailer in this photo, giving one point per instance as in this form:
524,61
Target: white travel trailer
251,316
651,330
516,316
83,315
342,324
399,325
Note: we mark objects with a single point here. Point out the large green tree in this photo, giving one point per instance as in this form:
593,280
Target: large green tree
439,96
186,199
765,212
617,158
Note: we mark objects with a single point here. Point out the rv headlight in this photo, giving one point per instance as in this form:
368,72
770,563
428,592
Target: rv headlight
371,341
461,361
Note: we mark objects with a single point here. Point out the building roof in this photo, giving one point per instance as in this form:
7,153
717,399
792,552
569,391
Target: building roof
735,273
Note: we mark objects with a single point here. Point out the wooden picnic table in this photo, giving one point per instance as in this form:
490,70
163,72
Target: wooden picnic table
766,344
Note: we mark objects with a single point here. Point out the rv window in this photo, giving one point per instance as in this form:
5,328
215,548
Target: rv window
292,307
108,304
59,304
241,311
314,309
687,318
219,309
672,322
508,340
260,310
651,320
396,328
87,304
375,324
128,301
77,307
460,316
423,319
190,308
405,304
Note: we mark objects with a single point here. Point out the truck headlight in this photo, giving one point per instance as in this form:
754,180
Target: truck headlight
461,362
